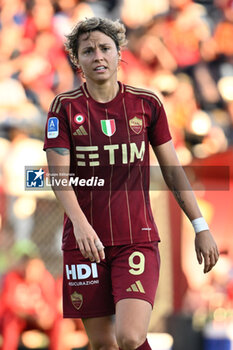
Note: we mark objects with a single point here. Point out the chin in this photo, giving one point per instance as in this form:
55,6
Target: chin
101,80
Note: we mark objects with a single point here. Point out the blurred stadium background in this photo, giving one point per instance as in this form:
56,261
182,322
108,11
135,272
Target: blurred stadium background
183,51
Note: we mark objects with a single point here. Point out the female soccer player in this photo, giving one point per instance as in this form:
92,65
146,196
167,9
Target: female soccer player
101,132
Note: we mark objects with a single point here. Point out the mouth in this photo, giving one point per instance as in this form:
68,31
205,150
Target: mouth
100,69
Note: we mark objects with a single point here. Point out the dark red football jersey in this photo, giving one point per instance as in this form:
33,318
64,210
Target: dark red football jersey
110,142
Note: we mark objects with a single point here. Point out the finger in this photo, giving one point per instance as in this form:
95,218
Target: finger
216,254
199,256
212,261
102,254
95,252
208,263
213,258
88,250
100,249
82,249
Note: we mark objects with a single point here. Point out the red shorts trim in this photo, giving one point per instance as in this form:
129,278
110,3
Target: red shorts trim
92,290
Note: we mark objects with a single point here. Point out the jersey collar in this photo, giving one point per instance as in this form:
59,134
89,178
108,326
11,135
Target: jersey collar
86,93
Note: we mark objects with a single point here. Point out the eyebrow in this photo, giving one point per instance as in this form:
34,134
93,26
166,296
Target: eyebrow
91,47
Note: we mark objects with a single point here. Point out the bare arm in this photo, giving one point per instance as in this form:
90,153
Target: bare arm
59,162
178,183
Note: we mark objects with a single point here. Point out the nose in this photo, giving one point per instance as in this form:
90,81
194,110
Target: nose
98,55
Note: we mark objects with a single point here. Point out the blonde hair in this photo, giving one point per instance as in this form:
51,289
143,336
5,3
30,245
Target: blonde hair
113,29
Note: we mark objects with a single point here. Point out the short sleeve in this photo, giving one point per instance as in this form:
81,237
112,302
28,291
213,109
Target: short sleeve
158,131
57,132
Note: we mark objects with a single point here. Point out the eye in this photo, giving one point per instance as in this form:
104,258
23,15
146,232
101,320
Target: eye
87,51
105,49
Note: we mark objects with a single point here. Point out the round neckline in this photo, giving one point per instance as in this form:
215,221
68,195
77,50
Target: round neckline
103,104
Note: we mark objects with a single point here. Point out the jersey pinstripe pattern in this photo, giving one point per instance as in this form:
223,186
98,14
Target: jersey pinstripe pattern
111,141
126,189
110,190
144,202
90,141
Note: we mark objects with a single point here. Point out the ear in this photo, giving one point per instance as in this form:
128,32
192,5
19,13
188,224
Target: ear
79,69
119,55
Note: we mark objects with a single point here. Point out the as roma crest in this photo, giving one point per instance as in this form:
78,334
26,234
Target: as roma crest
136,124
77,300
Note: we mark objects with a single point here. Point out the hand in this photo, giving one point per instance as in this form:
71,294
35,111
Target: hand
89,243
206,248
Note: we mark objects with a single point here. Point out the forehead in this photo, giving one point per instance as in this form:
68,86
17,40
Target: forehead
93,38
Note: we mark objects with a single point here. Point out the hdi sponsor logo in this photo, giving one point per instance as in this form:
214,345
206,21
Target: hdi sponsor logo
81,271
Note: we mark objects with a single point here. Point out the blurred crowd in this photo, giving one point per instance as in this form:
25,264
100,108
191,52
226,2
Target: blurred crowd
31,306
180,49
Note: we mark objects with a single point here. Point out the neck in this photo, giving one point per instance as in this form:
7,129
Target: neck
104,92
